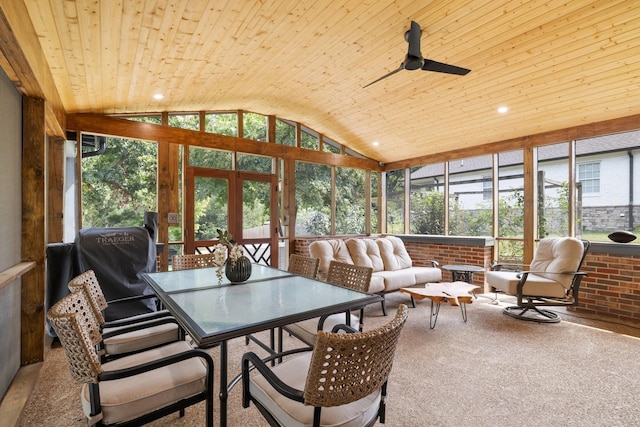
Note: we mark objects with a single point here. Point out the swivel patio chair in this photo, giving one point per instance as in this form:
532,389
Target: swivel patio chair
342,381
342,274
126,335
135,389
552,279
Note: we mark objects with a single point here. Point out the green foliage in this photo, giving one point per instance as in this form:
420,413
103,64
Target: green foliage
285,133
119,185
427,212
350,201
254,126
395,201
222,123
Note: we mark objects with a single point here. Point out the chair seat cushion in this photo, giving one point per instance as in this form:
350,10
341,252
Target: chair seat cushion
140,338
129,398
290,413
306,330
507,282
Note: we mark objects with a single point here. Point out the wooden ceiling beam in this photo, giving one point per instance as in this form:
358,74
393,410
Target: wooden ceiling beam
112,126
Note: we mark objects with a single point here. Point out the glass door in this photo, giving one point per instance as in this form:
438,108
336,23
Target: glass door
239,202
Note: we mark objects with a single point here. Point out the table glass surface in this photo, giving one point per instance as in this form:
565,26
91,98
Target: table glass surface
211,309
182,280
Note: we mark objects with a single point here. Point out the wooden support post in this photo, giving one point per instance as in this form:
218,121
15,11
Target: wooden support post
55,188
33,229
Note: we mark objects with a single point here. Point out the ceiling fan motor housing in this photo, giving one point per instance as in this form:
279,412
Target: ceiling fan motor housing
412,63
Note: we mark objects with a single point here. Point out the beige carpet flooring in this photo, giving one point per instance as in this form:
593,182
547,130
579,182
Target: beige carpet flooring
491,371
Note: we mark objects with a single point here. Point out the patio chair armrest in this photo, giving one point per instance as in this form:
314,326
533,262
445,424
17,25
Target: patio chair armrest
159,363
131,298
507,266
348,329
561,273
434,263
136,319
323,318
282,388
138,326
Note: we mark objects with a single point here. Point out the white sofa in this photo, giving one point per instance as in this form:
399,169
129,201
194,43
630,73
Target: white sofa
387,256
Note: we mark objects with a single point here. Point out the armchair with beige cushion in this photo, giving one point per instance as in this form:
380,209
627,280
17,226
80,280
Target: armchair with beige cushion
552,279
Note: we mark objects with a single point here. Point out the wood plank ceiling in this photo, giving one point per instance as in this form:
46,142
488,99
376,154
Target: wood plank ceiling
554,63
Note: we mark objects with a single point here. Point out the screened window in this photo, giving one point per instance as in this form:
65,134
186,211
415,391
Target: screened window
185,121
469,213
221,123
313,199
427,199
330,146
395,201
285,132
553,190
254,126
254,163
375,202
309,138
210,158
350,201
120,184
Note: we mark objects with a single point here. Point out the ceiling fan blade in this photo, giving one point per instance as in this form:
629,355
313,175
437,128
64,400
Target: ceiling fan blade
384,77
439,67
413,38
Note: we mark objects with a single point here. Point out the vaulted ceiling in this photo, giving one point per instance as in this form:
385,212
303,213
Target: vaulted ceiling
555,64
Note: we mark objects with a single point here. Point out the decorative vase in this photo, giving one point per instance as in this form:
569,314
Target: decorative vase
240,272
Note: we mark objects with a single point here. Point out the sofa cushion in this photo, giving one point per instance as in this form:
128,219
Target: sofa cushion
427,274
329,250
377,283
365,253
393,253
394,280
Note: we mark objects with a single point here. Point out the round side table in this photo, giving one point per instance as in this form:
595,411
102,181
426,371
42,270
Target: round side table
462,272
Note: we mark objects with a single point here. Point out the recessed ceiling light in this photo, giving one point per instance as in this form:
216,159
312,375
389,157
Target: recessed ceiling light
503,109
158,96
375,143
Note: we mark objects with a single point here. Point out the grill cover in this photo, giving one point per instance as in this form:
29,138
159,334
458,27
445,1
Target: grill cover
119,256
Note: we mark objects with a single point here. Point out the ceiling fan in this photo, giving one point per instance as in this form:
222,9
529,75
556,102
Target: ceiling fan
414,59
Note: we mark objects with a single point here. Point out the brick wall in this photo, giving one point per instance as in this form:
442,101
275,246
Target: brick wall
422,253
612,289
447,254
610,292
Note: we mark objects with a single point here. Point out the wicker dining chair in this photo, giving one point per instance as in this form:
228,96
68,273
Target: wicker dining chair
128,335
342,274
303,266
344,378
135,389
191,261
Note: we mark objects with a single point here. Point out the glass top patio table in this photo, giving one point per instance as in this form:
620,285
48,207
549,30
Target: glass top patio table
213,312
